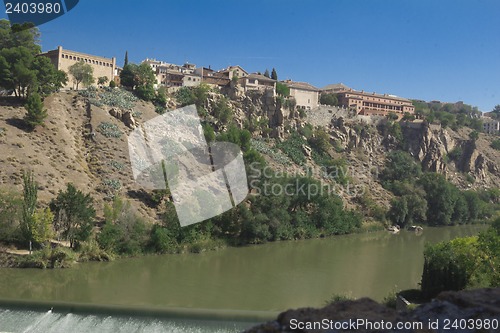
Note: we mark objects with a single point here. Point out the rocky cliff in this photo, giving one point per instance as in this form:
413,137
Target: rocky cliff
462,308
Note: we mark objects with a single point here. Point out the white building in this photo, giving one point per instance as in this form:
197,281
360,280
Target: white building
491,126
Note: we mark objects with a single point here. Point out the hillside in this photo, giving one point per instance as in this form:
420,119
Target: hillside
72,148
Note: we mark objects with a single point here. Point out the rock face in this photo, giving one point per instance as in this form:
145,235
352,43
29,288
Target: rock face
463,305
125,116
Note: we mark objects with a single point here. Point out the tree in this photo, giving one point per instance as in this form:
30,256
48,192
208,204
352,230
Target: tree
266,73
102,80
82,73
125,62
474,135
441,198
49,79
274,75
74,214
42,225
328,99
36,114
282,89
400,166
30,192
127,75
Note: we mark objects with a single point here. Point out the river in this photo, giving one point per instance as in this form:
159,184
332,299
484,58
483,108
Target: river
251,282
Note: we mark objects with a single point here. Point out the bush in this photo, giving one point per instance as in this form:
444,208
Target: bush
109,130
58,257
496,144
36,114
292,147
449,266
123,232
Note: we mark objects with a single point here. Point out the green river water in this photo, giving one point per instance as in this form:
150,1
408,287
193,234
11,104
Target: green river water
249,282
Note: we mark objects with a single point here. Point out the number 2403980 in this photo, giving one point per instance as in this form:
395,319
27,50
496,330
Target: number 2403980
32,8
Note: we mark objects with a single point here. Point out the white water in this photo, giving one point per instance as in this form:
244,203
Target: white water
14,321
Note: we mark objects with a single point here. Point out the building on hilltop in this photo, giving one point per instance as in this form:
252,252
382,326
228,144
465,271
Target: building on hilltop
64,59
305,94
334,88
491,126
257,82
173,76
372,104
233,71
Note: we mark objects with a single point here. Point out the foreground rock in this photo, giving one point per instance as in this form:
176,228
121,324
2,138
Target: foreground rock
462,308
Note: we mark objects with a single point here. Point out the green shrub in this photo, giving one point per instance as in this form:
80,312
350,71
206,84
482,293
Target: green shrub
292,147
58,257
109,130
495,144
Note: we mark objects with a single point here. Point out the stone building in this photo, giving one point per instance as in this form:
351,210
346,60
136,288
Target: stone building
305,94
64,59
257,82
491,126
372,104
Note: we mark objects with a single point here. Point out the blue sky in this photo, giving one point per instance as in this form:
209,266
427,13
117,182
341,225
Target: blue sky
446,50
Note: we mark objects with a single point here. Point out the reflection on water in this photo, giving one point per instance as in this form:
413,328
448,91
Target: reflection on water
44,322
270,277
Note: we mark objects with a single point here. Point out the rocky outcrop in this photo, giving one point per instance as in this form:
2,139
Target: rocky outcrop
125,116
464,305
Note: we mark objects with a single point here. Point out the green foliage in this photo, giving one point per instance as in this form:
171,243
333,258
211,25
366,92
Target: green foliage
102,80
474,135
456,153
124,232
329,99
20,69
193,95
74,214
282,89
30,195
109,130
11,211
42,226
112,84
400,166
209,132
90,251
36,113
222,111
441,197
265,148
292,147
58,257
127,75
119,98
339,298
495,144
274,75
450,266
320,141
82,73
266,73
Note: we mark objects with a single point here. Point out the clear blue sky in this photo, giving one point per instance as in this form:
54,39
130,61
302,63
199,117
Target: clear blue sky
447,50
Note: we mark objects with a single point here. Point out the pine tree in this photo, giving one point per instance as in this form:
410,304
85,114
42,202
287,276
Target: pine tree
125,63
266,73
30,193
36,113
274,75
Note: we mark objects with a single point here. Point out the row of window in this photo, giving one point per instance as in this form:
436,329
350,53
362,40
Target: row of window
90,61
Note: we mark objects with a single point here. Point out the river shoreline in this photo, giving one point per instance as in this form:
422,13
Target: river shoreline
11,259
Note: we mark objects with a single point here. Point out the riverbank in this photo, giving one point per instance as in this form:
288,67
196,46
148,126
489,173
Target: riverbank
476,310
268,277
63,257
